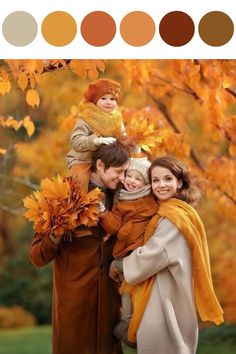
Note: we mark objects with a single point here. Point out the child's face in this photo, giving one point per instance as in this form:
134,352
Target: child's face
164,183
107,103
134,181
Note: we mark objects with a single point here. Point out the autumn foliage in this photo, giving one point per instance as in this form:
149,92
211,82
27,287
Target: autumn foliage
182,107
60,207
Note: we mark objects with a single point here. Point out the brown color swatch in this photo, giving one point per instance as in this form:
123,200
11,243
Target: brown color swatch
137,28
59,28
19,28
216,28
98,28
176,28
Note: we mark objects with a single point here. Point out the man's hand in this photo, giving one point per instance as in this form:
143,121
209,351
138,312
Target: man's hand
55,240
115,273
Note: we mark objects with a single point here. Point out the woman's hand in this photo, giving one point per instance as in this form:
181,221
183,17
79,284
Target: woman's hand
115,273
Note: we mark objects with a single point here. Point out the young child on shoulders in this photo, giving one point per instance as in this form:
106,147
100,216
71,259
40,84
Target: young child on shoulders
100,122
128,218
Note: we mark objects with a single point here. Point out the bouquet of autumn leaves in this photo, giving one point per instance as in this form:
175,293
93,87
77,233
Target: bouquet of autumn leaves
59,207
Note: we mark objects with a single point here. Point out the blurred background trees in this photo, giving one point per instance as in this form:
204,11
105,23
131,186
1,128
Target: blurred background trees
182,107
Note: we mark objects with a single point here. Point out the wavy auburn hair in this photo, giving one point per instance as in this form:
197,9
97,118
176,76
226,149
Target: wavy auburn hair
190,192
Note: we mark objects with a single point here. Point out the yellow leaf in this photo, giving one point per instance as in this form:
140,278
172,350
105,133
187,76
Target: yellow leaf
11,122
3,75
22,81
30,203
68,123
5,87
3,151
29,125
2,121
232,151
226,84
78,68
74,110
32,81
32,98
55,187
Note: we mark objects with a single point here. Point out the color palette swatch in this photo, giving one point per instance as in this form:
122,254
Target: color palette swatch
19,28
98,28
137,28
53,31
133,28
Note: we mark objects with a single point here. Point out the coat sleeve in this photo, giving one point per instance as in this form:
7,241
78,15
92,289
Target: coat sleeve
154,256
82,137
42,250
111,221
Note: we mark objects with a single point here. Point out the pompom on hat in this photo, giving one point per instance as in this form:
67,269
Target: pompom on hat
101,87
141,165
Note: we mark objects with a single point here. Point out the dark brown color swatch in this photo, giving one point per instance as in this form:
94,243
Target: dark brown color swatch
216,28
137,28
176,28
98,28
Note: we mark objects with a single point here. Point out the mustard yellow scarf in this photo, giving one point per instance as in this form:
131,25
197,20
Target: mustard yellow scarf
190,225
103,123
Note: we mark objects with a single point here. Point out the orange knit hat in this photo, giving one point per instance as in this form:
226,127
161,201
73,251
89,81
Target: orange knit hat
101,87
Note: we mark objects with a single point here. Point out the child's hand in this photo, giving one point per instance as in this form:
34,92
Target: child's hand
99,141
101,207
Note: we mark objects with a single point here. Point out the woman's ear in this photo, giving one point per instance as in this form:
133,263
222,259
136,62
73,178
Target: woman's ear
100,166
179,184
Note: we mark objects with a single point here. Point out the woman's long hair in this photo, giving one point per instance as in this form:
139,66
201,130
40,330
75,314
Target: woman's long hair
190,192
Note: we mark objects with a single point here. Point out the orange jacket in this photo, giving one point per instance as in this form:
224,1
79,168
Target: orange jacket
128,219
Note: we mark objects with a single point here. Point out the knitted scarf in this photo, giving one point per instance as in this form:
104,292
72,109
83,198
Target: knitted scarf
190,225
103,123
133,195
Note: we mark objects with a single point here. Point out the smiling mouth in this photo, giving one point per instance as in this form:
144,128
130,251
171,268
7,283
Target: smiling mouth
131,186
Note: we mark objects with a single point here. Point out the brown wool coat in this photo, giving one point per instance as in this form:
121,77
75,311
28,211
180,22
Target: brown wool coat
85,300
129,219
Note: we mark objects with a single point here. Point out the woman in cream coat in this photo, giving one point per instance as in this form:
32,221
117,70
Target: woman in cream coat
171,271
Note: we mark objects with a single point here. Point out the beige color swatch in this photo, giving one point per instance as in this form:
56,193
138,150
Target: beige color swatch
19,28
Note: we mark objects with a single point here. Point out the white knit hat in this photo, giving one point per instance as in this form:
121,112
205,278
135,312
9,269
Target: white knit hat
141,165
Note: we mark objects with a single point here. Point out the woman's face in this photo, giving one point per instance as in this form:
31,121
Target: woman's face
164,183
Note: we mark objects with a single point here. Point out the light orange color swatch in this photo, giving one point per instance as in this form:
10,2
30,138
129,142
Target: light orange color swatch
137,28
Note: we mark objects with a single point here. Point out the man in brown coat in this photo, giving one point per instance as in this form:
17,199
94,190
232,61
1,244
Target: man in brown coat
85,300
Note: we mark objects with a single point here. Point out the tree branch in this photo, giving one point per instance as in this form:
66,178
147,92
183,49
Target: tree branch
23,181
231,92
12,211
188,89
162,107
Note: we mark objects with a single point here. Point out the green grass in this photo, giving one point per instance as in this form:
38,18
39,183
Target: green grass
37,340
26,341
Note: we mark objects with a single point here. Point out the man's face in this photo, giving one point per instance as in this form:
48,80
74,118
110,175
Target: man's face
111,177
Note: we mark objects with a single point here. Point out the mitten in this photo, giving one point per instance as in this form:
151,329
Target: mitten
99,141
101,207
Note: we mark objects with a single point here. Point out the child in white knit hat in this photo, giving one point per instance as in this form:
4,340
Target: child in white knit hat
128,219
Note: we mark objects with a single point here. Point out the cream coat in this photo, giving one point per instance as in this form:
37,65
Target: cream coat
169,324
82,142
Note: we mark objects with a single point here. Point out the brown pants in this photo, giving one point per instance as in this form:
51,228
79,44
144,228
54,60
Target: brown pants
82,172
